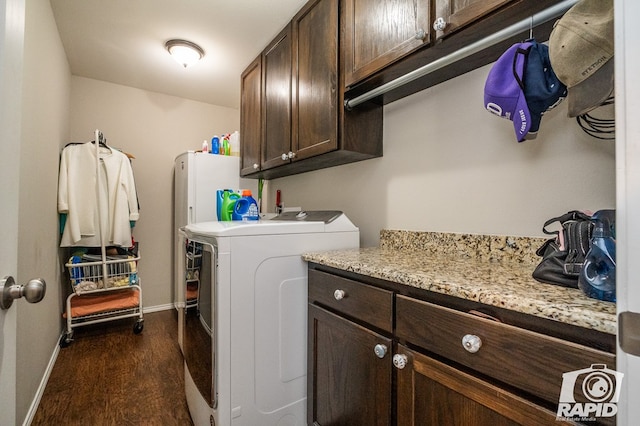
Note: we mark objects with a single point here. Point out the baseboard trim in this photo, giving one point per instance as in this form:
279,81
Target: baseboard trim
43,384
157,308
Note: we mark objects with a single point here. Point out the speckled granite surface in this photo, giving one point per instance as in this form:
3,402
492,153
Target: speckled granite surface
493,270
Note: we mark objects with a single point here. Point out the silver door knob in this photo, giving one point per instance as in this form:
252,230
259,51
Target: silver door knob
420,34
439,24
284,156
339,294
291,155
33,291
380,350
255,166
471,343
400,361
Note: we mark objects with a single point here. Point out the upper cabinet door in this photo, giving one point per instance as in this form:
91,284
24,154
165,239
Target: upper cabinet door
276,101
379,32
251,117
315,82
451,15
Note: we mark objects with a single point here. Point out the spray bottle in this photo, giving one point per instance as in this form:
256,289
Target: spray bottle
598,275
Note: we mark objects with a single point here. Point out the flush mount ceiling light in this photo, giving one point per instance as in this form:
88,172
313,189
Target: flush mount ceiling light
184,52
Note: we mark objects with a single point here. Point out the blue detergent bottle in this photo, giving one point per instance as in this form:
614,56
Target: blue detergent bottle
246,208
598,275
226,200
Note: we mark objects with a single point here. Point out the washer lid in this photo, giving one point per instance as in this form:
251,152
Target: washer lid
313,222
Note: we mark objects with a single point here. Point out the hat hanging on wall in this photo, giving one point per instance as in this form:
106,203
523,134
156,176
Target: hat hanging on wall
581,49
521,87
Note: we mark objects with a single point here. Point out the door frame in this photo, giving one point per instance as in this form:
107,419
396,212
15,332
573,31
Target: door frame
627,92
12,27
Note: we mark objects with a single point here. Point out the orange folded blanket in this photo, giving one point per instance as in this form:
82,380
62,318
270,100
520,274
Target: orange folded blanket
89,304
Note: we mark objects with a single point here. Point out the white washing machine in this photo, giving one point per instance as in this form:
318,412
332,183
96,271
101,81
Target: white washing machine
244,328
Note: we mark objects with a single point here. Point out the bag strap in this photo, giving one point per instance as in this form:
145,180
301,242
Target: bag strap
572,215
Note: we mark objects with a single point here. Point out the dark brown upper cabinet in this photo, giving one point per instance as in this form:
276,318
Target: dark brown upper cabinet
379,32
304,125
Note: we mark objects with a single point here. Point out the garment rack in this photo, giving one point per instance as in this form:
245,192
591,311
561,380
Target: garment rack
121,293
502,35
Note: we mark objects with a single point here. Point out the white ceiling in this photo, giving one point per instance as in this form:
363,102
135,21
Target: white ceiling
122,41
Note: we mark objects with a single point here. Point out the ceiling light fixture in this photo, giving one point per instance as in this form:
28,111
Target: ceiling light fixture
184,52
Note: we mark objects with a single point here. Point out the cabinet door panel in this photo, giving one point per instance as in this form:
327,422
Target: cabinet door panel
459,13
315,96
276,121
251,118
378,32
433,393
347,383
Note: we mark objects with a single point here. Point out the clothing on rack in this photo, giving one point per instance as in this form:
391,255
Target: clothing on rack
80,196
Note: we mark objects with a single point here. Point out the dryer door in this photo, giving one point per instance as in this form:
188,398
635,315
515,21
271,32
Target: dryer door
199,317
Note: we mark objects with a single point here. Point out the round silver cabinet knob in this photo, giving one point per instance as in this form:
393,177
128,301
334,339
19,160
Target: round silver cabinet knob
400,361
439,24
255,166
284,156
292,155
380,350
339,294
471,343
420,34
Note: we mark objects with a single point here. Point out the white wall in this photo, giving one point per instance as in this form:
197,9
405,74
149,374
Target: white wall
45,127
155,128
451,166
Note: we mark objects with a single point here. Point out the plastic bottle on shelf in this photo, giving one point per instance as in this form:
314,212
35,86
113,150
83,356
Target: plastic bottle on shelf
215,145
205,146
225,145
246,208
598,275
234,142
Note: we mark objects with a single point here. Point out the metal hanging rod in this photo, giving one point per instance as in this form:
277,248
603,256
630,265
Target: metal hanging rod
504,34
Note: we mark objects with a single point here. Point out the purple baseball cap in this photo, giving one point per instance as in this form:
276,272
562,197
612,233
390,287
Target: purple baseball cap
504,89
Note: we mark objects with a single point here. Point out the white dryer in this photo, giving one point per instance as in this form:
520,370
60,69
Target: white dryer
245,337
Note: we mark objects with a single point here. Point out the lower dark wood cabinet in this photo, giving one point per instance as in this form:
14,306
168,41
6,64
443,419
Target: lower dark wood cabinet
430,392
379,357
351,384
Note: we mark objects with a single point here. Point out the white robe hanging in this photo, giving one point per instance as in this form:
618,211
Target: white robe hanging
114,200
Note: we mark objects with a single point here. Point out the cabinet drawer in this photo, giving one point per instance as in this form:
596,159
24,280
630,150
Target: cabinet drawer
522,358
352,298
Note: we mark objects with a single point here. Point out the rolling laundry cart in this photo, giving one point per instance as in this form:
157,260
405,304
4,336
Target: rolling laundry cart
103,287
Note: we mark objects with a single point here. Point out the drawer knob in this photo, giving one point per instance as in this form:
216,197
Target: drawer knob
339,294
380,350
400,361
471,343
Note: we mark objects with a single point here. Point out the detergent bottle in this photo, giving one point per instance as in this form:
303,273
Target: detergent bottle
246,208
598,274
226,200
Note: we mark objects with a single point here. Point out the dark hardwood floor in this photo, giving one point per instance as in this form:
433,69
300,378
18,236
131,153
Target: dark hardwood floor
111,376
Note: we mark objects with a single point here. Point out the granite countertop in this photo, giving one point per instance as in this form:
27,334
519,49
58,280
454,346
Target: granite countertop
494,270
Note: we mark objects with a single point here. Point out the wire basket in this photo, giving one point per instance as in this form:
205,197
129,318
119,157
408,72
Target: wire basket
86,272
